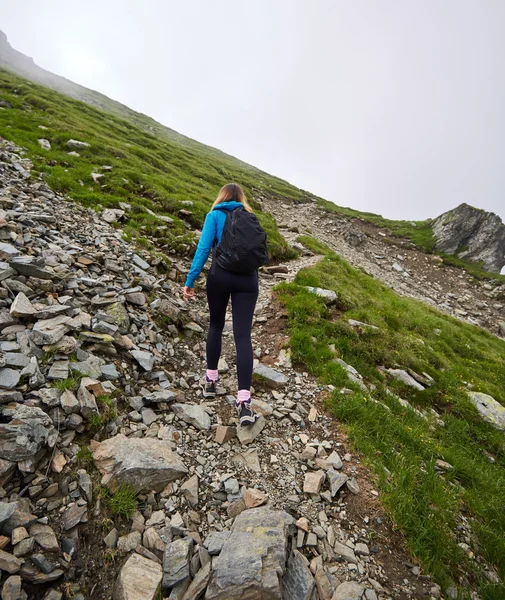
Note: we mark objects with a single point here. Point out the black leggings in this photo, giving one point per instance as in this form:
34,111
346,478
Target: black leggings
243,289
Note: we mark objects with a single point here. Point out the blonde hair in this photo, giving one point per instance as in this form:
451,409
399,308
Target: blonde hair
232,191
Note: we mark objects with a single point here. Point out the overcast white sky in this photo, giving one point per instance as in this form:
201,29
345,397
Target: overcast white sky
390,106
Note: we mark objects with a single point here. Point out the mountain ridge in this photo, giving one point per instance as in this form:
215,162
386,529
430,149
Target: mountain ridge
421,233
25,66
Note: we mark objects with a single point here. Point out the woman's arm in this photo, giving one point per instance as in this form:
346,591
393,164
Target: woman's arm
203,250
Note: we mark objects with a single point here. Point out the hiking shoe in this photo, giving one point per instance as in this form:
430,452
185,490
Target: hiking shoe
246,414
208,387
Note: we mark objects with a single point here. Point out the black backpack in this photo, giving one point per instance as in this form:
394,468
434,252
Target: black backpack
243,246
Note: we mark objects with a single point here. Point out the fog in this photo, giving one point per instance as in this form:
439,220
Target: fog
394,107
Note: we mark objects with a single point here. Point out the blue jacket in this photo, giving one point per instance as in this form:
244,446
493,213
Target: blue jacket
211,236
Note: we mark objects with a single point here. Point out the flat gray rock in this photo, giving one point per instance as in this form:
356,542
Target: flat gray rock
489,409
51,311
349,590
144,463
21,307
45,537
7,251
90,367
161,396
193,414
361,325
49,396
29,266
77,145
58,370
405,378
22,440
247,435
109,215
15,359
274,379
7,509
345,552
140,262
49,331
9,378
109,372
329,296
148,416
145,359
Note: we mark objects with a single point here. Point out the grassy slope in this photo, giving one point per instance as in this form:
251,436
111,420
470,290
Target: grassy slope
148,171
400,446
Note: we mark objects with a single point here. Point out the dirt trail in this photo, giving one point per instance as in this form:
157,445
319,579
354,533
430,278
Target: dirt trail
300,422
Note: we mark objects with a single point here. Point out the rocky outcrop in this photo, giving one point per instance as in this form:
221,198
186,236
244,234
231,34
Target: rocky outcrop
472,234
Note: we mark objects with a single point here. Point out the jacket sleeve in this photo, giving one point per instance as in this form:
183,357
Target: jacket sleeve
203,250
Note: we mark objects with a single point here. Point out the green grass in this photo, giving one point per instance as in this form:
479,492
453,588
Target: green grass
401,447
71,383
85,456
311,243
150,172
96,422
108,405
123,502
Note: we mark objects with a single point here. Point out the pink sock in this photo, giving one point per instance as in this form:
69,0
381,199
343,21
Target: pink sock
243,396
212,374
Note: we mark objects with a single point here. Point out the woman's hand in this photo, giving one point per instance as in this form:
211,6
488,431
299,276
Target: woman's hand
189,293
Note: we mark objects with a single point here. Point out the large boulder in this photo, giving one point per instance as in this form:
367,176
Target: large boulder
473,234
253,559
143,463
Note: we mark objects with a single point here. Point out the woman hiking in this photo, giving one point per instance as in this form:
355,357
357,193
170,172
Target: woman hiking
238,247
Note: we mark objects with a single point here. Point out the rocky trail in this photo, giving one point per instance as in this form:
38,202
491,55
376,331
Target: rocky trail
410,272
98,350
